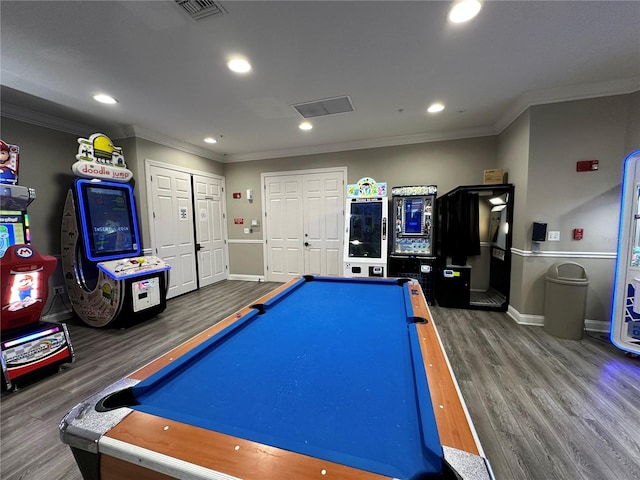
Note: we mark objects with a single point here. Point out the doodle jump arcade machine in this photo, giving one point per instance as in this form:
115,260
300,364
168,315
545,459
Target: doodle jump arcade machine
625,311
412,237
29,346
365,251
108,281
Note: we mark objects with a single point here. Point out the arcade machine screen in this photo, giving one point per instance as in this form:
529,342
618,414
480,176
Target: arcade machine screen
413,216
14,227
366,224
108,218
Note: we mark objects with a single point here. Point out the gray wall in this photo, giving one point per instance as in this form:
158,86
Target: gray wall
552,191
446,164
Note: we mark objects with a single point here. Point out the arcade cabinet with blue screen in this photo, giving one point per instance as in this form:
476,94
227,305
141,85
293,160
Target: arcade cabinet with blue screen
108,280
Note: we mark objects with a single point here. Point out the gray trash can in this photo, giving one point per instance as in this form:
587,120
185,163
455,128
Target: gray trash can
565,300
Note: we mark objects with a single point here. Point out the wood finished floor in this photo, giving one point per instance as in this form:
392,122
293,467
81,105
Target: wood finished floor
544,408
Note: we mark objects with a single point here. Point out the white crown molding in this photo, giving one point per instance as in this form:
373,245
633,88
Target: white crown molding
361,144
167,141
564,94
56,123
558,254
524,101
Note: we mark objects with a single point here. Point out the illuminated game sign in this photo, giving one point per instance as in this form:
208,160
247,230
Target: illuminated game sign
99,158
367,188
9,158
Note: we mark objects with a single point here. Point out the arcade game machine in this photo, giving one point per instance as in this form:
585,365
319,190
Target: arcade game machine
29,346
412,239
108,281
365,251
625,314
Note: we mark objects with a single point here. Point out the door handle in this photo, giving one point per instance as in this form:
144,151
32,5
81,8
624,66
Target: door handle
306,244
198,247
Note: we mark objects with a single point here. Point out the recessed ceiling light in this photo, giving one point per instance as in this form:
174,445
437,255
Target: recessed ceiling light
435,108
105,99
464,11
210,140
305,126
239,65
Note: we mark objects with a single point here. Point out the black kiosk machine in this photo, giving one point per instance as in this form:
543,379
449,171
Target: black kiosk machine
108,281
411,253
29,345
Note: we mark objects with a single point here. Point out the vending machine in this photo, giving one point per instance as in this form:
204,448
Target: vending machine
412,237
365,251
625,314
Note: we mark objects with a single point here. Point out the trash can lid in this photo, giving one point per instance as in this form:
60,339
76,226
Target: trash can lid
567,271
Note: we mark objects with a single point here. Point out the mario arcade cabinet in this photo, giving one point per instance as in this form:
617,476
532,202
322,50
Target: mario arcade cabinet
28,346
108,280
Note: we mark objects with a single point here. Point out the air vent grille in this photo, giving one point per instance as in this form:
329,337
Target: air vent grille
199,9
329,106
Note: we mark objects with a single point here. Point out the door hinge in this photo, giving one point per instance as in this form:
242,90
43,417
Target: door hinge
154,214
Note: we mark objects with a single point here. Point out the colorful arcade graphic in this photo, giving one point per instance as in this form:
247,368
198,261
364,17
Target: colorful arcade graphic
412,251
365,252
625,315
108,279
9,159
28,345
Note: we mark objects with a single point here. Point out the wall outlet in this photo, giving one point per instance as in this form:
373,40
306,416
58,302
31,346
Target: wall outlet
553,236
58,290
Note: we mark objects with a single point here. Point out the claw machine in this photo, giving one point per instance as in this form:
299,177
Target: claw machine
625,311
365,251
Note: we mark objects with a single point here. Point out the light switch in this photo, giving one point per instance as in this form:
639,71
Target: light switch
553,236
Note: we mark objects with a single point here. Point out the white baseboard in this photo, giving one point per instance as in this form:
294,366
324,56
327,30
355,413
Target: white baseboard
538,321
246,278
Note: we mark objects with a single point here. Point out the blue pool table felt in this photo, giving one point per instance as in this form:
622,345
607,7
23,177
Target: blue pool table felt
332,369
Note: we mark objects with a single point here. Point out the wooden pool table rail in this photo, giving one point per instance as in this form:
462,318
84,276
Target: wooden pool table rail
142,434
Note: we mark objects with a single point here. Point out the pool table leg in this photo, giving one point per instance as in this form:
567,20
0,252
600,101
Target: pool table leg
88,463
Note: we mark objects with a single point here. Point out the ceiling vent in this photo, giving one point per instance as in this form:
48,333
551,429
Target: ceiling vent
328,106
199,9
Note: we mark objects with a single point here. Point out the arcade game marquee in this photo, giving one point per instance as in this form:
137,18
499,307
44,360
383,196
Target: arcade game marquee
107,279
365,251
625,311
29,346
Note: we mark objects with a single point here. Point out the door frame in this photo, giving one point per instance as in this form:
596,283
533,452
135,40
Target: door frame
263,177
152,240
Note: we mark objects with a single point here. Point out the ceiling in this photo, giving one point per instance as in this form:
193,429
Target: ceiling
392,58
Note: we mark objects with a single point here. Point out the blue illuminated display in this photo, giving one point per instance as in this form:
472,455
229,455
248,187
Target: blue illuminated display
108,220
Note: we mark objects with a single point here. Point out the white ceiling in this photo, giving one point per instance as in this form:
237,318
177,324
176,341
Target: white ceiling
392,58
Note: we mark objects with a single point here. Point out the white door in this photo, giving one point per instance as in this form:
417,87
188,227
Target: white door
323,195
211,245
172,223
304,219
283,219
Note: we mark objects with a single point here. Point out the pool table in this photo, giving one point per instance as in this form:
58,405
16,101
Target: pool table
323,378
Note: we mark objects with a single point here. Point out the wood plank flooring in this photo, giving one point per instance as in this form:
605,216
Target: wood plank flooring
544,408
